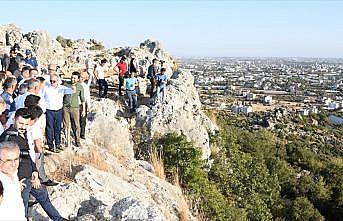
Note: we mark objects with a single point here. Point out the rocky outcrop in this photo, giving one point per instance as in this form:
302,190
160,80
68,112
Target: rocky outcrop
181,113
46,49
107,129
131,193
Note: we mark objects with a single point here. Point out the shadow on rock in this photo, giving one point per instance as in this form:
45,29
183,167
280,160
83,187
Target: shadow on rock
92,209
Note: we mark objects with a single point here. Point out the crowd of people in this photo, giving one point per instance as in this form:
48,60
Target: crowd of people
128,81
36,107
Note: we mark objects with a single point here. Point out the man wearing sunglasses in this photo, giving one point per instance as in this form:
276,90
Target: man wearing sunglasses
53,94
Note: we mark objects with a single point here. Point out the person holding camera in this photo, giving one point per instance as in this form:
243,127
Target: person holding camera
27,170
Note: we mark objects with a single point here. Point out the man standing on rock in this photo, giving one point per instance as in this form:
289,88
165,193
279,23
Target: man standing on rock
161,80
131,83
122,66
71,108
152,72
53,94
99,73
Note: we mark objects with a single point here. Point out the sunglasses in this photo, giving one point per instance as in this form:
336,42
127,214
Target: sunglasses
53,81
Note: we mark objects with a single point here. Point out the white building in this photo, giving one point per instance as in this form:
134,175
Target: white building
314,110
251,96
304,112
334,105
246,109
268,100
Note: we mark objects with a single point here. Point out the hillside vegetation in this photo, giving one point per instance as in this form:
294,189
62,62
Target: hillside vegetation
292,173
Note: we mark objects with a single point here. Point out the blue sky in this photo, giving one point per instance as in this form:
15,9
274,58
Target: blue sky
193,28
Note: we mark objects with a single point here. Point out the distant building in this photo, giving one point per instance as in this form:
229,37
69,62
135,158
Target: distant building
334,105
251,96
304,112
314,110
241,109
246,109
268,100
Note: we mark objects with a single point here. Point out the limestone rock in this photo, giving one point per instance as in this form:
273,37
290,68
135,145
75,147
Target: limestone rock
109,130
100,195
131,209
181,113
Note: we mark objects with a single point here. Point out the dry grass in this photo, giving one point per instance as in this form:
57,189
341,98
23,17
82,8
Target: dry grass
157,162
62,174
212,115
215,148
167,214
183,205
65,169
94,159
183,211
201,217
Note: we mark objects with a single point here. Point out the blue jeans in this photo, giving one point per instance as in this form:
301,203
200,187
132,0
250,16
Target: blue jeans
132,98
41,195
160,93
53,127
103,87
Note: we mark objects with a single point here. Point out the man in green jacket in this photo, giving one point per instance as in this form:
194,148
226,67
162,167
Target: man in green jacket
71,108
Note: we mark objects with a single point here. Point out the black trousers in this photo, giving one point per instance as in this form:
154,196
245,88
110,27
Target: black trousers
121,84
83,120
103,87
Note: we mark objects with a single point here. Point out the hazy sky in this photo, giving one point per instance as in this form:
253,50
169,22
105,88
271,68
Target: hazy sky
193,28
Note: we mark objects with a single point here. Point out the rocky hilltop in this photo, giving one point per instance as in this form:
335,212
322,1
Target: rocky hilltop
103,180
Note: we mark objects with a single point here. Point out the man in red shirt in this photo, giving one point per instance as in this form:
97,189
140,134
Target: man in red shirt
122,66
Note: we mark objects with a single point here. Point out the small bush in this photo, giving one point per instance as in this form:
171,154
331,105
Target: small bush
65,42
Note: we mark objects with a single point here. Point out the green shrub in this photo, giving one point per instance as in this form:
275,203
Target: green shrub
302,209
65,42
181,156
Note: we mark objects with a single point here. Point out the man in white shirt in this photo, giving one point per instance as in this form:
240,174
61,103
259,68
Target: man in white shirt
11,207
85,82
53,94
99,73
35,141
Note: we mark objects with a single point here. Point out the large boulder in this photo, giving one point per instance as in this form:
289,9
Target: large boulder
99,195
107,129
181,113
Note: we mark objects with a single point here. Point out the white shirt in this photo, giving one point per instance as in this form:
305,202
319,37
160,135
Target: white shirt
100,71
86,92
33,133
12,206
2,129
54,96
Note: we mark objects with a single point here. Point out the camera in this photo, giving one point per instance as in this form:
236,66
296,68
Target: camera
24,153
